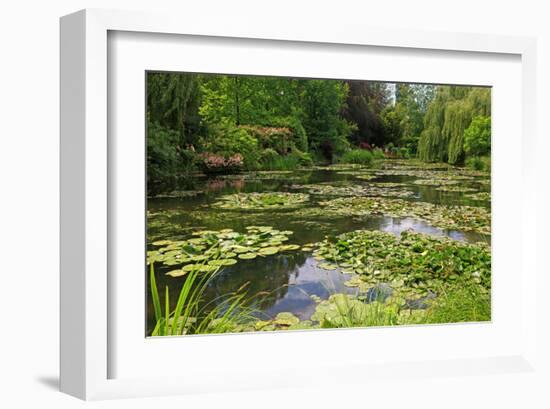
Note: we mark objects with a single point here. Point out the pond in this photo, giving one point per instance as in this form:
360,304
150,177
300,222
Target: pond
402,191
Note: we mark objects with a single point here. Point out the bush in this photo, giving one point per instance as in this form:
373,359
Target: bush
304,158
271,160
299,135
212,163
477,137
403,153
228,140
357,156
165,157
378,153
482,163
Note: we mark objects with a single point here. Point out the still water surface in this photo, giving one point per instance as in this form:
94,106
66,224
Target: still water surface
290,278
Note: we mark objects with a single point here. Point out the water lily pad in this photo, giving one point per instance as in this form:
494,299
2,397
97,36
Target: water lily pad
268,251
176,273
161,242
265,200
290,247
286,319
247,256
327,266
223,262
190,267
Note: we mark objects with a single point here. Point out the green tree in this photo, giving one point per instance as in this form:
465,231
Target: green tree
364,106
322,102
477,137
173,100
446,119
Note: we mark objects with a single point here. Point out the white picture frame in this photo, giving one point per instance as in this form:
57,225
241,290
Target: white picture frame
87,352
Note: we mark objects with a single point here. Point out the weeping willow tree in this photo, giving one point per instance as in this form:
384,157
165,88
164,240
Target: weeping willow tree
449,114
173,103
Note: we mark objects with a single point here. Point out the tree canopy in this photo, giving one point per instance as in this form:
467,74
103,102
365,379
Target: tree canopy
270,122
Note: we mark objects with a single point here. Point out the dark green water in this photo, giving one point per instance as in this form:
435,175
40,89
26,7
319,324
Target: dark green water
290,278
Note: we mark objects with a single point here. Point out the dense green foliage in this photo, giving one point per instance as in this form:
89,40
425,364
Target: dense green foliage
477,137
358,156
447,117
228,123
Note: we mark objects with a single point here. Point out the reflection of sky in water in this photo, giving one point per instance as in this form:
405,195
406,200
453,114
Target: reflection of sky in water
308,278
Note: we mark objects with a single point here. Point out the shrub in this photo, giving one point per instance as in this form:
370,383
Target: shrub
357,156
213,163
227,140
304,158
403,153
299,135
378,153
270,137
482,163
165,158
477,137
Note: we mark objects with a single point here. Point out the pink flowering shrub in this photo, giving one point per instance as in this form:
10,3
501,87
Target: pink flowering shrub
214,163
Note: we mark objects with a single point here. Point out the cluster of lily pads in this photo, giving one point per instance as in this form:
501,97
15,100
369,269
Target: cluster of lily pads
435,182
480,196
414,263
332,189
455,189
260,201
467,218
210,250
178,194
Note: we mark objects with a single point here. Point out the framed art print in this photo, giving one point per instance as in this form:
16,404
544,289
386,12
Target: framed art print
264,208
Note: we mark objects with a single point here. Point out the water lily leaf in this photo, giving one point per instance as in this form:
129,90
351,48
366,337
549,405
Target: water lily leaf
241,249
247,256
327,266
161,242
286,319
223,262
190,267
177,273
290,247
268,251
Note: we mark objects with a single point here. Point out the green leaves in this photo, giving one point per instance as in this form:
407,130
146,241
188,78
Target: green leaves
269,200
447,217
415,263
211,249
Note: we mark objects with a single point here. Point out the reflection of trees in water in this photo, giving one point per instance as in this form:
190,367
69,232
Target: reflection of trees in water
269,275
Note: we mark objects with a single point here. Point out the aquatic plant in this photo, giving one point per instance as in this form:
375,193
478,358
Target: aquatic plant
358,156
455,189
414,263
480,196
176,194
346,311
466,218
435,182
348,189
193,315
267,200
211,250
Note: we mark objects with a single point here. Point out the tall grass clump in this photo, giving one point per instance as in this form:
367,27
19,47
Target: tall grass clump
460,303
358,156
192,315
